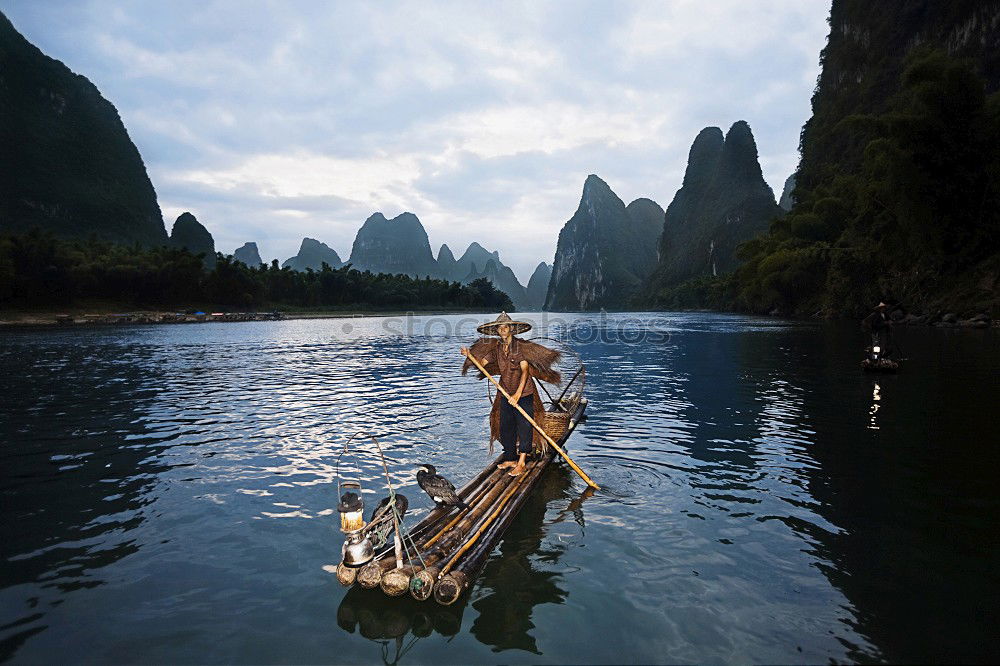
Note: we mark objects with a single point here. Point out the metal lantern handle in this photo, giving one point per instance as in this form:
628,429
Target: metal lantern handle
378,446
388,483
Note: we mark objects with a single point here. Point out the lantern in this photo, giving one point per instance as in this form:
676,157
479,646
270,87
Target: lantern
358,549
351,507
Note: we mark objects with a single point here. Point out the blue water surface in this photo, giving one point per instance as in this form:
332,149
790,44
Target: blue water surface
168,495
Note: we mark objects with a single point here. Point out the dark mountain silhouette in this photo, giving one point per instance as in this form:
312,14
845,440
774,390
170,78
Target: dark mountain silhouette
896,194
538,287
312,254
249,255
478,262
502,278
191,235
393,246
474,259
603,253
446,265
723,202
68,164
646,227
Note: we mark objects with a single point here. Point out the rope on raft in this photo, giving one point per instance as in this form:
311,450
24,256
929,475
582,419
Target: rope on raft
393,510
445,551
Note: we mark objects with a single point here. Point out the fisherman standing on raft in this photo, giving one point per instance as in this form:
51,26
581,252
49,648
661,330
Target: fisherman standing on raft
879,325
519,363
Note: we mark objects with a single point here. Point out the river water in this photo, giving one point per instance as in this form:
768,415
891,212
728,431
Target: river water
168,495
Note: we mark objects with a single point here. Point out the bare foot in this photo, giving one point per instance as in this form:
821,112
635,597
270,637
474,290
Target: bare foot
517,470
505,465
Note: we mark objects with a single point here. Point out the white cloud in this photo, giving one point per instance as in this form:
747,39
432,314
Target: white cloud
275,121
547,128
301,174
689,28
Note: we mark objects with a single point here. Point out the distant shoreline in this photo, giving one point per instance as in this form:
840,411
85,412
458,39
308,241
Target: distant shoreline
104,315
77,318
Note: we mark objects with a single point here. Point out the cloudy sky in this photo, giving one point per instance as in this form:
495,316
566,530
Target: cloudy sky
275,120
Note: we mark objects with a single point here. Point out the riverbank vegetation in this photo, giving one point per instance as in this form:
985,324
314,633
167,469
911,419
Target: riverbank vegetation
38,270
903,203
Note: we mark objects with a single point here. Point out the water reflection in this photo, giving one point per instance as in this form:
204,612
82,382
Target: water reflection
914,500
512,584
876,403
166,494
396,624
69,515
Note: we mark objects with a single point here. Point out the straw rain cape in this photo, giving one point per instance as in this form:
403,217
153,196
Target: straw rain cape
540,360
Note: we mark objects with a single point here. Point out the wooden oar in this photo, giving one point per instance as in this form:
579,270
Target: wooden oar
552,442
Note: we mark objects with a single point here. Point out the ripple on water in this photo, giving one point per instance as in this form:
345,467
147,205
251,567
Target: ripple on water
177,484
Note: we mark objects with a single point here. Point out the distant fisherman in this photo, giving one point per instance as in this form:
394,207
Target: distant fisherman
879,325
519,363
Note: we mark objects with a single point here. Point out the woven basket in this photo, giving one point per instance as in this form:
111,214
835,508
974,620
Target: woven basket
555,424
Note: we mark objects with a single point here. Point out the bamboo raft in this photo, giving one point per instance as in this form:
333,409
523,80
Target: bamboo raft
880,365
452,545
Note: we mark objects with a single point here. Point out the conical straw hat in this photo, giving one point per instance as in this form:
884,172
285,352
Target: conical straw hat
516,327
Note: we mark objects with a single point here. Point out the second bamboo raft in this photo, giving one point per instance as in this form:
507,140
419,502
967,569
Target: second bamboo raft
454,544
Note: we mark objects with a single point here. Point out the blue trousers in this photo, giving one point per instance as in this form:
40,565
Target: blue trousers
515,431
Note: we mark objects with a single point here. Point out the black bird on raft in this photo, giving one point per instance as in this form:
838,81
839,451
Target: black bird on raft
440,489
382,531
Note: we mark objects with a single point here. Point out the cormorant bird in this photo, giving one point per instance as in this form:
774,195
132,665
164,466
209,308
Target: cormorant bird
440,489
381,532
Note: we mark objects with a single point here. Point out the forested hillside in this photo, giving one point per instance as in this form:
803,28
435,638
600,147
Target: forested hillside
898,191
38,270
68,164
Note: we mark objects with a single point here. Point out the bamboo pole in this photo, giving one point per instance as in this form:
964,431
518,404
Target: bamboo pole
485,519
346,575
449,588
485,524
397,544
488,540
370,575
395,581
436,515
480,492
451,585
568,384
470,522
422,583
423,576
576,468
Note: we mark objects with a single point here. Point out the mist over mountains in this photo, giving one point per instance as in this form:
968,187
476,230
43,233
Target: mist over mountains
603,255
895,193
